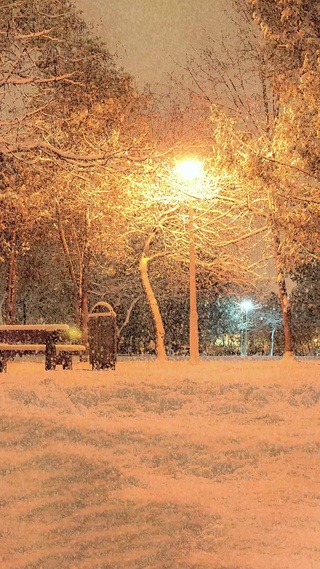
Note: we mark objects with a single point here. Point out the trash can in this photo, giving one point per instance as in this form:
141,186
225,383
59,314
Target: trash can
102,336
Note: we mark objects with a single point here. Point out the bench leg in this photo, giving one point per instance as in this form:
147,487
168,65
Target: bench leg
3,363
106,364
83,357
51,356
66,361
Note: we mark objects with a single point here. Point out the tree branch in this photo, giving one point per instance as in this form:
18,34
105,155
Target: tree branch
127,318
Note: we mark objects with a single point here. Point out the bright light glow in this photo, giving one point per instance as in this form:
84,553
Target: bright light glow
74,334
246,305
190,169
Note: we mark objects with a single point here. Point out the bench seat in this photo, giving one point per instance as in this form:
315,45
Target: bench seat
7,351
70,348
63,353
22,347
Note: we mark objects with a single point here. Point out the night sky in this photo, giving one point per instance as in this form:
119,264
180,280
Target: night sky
151,35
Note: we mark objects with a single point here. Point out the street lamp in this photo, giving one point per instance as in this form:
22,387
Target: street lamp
189,171
245,305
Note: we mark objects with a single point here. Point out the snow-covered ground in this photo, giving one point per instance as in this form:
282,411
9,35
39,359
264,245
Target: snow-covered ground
138,369
168,466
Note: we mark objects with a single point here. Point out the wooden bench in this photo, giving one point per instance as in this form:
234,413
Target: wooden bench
49,339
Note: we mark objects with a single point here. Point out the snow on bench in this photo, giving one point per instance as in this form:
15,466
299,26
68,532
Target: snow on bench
17,339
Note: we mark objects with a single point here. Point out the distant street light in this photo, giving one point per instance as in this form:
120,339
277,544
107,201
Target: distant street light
245,306
189,171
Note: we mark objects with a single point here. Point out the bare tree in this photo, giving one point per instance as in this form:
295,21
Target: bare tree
248,121
158,222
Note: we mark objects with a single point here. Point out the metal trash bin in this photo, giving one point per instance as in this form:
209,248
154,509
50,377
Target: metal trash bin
102,336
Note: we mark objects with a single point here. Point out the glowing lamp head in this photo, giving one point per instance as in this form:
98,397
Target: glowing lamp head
246,305
189,170
75,334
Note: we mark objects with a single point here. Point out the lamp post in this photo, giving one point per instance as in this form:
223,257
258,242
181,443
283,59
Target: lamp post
245,305
193,325
189,171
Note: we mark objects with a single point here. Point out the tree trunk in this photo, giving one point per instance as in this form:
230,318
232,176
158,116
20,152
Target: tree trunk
24,312
84,295
11,304
143,267
284,299
158,324
272,341
76,295
2,303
